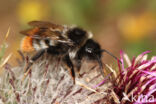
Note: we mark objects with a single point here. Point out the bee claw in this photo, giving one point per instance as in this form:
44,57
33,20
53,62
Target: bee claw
74,81
79,75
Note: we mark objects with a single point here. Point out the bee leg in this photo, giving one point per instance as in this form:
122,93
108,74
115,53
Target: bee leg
70,67
58,63
78,67
34,58
30,63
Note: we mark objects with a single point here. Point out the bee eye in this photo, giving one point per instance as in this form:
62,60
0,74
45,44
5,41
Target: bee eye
89,50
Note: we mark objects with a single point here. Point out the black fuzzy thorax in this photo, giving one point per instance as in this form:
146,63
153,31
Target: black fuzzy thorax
95,50
59,49
77,36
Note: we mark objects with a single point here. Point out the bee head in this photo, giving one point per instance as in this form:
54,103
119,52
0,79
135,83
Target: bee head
77,35
93,51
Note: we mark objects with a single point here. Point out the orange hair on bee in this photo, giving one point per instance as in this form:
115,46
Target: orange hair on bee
27,44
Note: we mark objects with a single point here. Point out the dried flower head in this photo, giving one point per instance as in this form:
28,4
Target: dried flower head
48,84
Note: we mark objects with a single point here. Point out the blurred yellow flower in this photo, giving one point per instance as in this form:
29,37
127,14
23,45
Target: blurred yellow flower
29,10
137,27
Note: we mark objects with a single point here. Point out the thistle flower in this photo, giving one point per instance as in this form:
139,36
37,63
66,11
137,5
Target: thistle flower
48,84
135,83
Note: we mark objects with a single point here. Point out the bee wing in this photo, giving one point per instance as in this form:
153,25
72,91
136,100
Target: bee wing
30,32
44,33
45,24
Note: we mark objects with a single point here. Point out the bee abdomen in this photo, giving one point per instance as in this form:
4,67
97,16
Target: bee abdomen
39,44
26,44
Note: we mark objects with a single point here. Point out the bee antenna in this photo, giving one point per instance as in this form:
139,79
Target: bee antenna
103,50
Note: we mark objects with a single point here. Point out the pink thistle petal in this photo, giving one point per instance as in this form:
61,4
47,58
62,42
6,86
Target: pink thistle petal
150,94
127,60
146,64
133,62
121,59
119,66
152,90
153,58
150,73
101,83
141,56
144,58
138,78
146,52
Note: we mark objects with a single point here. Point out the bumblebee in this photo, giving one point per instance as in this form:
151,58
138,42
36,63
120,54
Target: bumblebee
70,43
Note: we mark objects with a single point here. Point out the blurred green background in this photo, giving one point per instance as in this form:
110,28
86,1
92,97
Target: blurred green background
129,25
